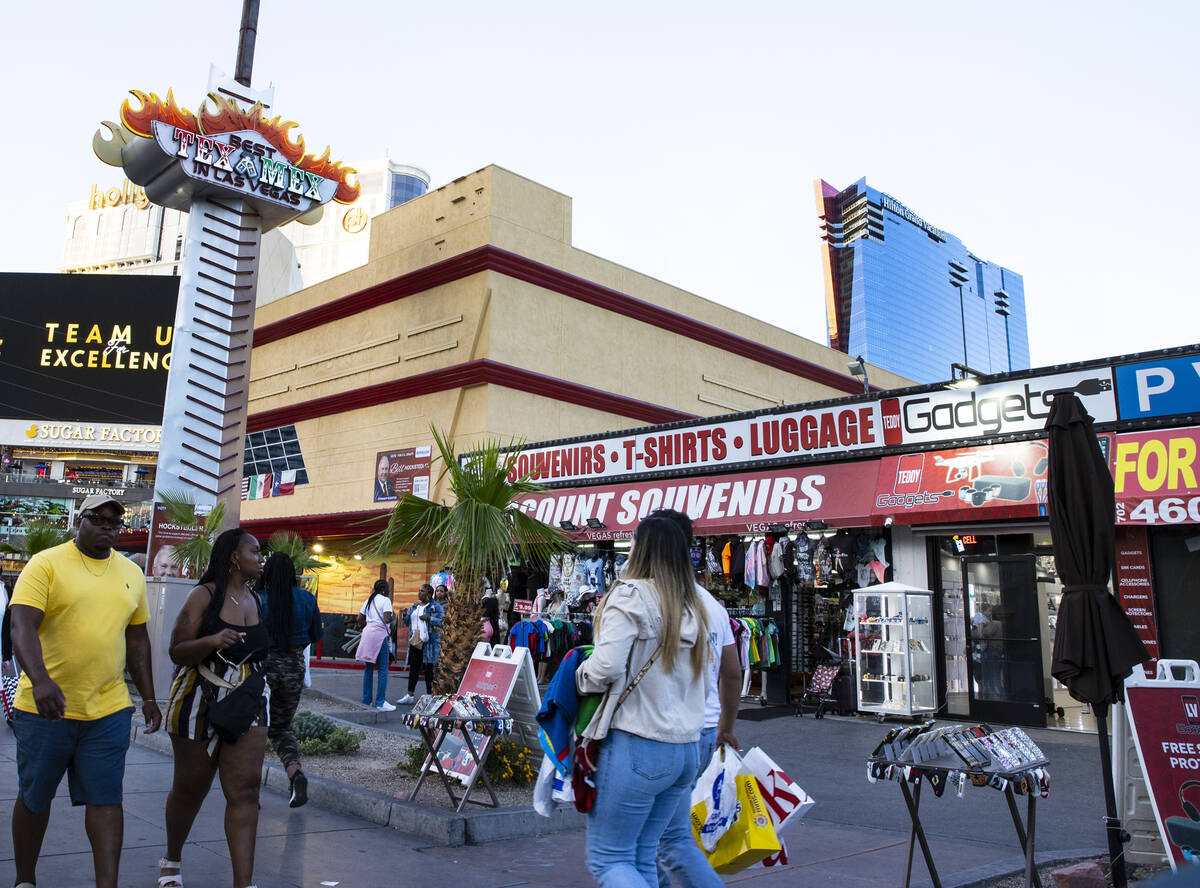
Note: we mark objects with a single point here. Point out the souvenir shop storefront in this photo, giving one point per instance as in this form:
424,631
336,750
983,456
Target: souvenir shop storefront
935,487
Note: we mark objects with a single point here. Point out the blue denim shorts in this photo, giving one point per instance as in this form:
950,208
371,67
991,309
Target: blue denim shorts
90,753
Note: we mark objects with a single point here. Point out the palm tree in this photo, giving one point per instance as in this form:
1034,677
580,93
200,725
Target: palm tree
38,535
192,556
293,546
475,536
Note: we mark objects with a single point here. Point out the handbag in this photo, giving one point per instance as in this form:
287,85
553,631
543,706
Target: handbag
587,754
231,716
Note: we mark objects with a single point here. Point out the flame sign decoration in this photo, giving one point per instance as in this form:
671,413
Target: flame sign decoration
227,117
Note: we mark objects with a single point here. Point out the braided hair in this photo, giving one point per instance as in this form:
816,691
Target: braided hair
277,580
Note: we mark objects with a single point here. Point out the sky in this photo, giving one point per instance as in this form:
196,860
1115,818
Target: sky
1056,139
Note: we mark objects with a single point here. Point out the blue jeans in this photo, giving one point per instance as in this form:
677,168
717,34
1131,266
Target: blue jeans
385,655
678,852
639,784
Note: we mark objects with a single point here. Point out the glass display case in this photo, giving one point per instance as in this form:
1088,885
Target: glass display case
894,650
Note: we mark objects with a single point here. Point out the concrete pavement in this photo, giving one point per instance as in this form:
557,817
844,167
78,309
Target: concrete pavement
856,835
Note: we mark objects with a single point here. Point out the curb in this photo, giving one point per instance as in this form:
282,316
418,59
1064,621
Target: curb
440,827
985,875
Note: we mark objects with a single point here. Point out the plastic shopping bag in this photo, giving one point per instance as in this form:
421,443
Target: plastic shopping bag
750,837
552,790
783,797
714,797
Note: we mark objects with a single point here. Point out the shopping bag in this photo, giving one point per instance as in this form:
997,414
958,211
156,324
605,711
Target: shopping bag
784,798
715,795
307,668
750,837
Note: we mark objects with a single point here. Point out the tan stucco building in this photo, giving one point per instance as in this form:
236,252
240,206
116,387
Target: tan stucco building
476,314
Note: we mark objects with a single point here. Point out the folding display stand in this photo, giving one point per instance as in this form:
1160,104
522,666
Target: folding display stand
434,729
896,760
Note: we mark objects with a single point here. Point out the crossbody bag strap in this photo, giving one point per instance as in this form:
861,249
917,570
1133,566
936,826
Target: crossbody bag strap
642,674
212,678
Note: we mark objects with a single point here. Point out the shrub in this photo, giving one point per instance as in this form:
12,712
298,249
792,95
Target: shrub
412,758
512,762
318,735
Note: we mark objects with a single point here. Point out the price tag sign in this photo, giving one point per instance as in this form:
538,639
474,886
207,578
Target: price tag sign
521,606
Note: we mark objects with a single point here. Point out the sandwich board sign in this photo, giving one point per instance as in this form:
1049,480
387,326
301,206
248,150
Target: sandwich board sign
1164,716
506,674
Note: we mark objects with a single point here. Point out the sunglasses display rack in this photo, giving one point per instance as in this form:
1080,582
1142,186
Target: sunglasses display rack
894,651
957,756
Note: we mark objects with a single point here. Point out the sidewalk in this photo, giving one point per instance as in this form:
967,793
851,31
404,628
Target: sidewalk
857,834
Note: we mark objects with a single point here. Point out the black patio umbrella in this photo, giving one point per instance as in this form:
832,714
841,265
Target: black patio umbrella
1095,644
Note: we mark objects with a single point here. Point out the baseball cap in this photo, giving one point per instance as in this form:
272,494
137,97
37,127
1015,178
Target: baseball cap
96,500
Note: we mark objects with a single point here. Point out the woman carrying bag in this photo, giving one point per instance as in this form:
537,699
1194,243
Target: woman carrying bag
217,713
294,622
651,636
375,646
422,647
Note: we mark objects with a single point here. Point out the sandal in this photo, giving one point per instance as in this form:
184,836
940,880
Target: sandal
173,880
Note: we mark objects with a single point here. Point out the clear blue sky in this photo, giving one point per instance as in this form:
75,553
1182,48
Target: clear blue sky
1057,139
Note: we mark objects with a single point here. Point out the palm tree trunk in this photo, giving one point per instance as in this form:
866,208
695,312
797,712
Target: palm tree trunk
460,633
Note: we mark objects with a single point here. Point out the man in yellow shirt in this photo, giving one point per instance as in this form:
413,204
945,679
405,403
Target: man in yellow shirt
79,617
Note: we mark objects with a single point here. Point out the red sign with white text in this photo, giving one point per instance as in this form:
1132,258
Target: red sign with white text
1156,476
1165,717
796,433
1135,590
969,483
747,503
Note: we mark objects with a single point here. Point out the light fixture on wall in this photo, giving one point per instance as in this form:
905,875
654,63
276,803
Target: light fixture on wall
817,529
567,525
596,524
858,367
318,548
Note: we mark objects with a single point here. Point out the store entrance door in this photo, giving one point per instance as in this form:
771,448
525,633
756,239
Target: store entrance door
1004,638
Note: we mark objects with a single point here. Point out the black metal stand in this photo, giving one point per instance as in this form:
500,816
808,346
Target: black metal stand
433,743
1025,834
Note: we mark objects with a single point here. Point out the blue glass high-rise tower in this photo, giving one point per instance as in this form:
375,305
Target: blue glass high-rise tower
911,298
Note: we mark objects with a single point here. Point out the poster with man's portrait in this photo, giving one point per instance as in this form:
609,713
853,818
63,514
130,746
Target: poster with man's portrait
398,472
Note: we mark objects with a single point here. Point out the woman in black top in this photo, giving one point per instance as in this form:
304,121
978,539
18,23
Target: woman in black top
219,641
294,622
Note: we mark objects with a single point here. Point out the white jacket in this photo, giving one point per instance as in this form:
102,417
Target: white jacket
666,705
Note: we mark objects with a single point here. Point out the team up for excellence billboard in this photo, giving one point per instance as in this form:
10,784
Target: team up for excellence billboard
86,351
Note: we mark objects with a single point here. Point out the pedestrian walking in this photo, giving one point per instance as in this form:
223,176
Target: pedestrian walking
678,852
375,646
78,615
422,643
218,711
653,630
293,623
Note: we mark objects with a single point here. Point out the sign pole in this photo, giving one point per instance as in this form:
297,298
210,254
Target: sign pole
247,34
204,412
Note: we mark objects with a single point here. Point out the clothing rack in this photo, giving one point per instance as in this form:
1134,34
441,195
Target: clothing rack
566,618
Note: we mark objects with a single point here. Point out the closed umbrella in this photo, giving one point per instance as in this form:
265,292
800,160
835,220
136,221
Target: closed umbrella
1095,644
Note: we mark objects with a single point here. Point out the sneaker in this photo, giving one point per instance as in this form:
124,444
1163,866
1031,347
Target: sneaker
385,706
299,790
405,700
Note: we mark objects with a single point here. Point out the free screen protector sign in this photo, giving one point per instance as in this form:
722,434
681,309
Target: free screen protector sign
1001,481
1164,715
742,503
1156,476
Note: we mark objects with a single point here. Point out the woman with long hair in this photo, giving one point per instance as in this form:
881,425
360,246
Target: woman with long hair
375,646
218,708
293,623
653,624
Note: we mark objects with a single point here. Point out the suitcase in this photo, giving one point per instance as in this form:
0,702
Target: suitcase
845,694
